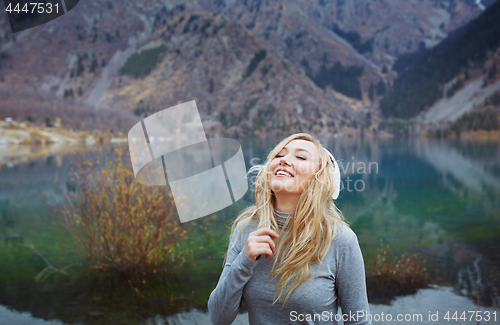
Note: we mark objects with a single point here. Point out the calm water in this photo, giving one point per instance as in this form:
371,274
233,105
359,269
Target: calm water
440,199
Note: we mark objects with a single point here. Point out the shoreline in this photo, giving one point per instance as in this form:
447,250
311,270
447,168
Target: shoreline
21,142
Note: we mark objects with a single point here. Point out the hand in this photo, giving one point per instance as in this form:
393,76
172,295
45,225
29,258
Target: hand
260,242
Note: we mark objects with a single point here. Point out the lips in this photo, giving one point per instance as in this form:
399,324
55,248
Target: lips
281,172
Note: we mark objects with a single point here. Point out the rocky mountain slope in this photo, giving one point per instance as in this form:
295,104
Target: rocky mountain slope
197,55
252,66
456,84
369,34
302,28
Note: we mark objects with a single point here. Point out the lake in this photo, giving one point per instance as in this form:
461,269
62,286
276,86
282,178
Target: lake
439,199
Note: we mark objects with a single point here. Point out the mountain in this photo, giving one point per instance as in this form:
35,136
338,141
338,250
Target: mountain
340,28
241,86
255,68
457,62
316,35
148,63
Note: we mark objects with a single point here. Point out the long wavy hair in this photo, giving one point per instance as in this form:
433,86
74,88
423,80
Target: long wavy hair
312,226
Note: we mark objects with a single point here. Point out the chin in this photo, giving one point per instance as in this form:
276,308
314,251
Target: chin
282,189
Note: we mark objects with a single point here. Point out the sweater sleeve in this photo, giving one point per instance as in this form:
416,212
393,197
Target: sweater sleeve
225,299
351,281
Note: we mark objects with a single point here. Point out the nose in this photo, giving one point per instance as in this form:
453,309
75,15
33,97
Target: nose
283,161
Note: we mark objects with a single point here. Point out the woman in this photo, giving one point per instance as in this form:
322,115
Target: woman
312,262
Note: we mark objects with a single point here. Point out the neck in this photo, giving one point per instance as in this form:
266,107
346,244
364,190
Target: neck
285,203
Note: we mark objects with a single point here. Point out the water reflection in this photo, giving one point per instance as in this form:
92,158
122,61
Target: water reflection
110,299
436,198
451,161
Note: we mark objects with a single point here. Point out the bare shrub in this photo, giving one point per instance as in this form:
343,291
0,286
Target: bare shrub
402,276
118,224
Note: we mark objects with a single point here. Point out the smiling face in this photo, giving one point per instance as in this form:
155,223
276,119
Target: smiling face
294,167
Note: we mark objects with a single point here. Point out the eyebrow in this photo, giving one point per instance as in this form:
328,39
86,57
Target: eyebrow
298,149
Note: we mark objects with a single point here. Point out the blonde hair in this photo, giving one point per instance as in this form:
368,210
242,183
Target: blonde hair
313,223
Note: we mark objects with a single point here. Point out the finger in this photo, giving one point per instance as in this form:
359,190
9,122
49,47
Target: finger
259,249
266,231
266,239
264,250
267,249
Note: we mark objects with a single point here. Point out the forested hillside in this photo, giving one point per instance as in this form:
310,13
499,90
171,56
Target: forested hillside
255,67
422,76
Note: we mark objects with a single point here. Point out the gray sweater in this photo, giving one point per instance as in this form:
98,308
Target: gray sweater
340,280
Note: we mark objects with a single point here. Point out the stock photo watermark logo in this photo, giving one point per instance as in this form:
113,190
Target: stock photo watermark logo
204,175
26,14
351,168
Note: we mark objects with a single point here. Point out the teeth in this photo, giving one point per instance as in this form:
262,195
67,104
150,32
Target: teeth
281,172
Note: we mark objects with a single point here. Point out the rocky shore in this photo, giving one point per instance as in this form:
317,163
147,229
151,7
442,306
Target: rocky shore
22,141
13,133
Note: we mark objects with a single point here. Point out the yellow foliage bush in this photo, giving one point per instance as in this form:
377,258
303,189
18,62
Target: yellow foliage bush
119,224
402,276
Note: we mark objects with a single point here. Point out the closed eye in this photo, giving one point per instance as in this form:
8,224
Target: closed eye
302,158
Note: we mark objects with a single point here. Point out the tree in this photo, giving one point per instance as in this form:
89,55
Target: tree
259,56
371,94
381,88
